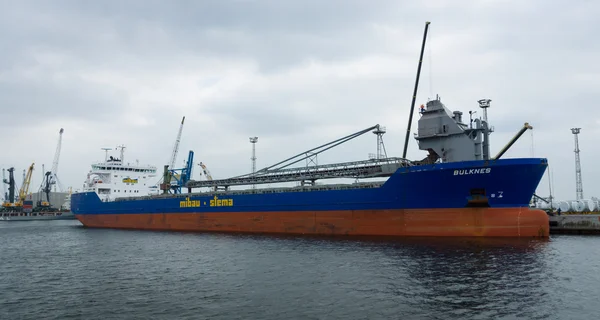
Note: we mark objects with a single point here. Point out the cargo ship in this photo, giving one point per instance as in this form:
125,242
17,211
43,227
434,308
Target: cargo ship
457,190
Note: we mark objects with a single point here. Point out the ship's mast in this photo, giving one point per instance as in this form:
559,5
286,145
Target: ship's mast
122,147
485,104
412,105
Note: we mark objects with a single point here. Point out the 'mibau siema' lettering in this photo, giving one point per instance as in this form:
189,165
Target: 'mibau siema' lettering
216,202
187,203
472,171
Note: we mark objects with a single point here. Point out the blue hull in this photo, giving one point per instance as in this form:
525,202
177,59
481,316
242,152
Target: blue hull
503,183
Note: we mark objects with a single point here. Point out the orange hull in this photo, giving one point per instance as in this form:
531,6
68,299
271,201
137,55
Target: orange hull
465,222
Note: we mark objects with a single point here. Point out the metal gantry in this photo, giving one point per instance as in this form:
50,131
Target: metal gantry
373,168
280,172
312,153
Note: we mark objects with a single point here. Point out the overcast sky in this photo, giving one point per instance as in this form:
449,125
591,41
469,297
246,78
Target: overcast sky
295,74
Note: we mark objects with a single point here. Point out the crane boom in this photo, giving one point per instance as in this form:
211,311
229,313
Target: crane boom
25,187
205,171
176,147
513,140
53,172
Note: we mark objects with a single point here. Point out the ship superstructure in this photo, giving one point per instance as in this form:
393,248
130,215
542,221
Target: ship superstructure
114,178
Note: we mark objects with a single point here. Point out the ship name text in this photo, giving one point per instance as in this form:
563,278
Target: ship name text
472,171
187,203
216,202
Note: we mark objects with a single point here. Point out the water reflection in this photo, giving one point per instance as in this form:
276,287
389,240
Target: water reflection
95,274
470,278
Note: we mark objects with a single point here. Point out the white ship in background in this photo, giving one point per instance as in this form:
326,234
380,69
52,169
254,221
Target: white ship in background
114,178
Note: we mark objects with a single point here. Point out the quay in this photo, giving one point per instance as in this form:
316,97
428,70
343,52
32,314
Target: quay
575,224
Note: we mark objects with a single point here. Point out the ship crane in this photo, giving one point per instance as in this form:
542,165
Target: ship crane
525,127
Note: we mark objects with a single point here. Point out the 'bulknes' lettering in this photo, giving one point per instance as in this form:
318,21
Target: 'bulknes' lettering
472,171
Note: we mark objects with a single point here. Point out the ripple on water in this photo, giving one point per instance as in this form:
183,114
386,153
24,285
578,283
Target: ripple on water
58,270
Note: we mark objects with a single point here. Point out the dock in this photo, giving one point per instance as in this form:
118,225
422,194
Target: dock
575,224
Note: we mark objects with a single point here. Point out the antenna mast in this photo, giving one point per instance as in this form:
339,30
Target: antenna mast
122,147
412,105
106,153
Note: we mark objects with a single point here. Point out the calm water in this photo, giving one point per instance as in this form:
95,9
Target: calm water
60,270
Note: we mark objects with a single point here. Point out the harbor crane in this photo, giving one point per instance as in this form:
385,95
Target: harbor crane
173,176
11,202
9,198
24,191
176,147
177,178
54,171
50,180
205,171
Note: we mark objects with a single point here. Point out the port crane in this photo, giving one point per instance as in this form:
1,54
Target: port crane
9,198
24,191
50,180
175,178
205,171
176,147
178,177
